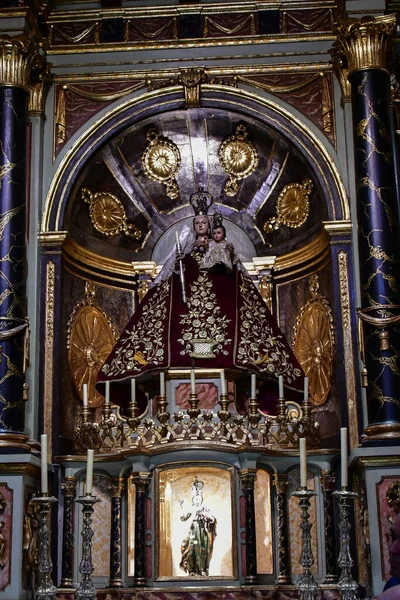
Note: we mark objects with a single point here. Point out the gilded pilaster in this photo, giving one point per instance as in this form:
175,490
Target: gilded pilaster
365,46
17,55
117,487
247,479
68,487
39,89
142,483
280,483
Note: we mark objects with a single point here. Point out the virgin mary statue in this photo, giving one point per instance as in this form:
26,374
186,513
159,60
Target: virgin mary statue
204,310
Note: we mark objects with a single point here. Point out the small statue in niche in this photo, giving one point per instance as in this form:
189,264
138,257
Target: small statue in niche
197,547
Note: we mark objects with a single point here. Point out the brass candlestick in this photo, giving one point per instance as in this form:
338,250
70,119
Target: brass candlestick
307,586
346,584
254,415
193,410
46,590
86,589
224,403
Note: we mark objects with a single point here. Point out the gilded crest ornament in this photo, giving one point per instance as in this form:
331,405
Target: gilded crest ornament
313,342
108,214
161,161
90,340
239,159
292,207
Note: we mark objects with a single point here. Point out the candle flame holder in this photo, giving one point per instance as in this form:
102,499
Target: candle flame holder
86,589
46,590
306,585
346,584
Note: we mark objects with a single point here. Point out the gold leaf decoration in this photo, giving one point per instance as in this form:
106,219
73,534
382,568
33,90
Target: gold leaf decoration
90,340
393,496
108,214
313,343
161,161
239,159
292,207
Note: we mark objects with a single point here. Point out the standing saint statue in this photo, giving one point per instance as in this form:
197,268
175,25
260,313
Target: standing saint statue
197,547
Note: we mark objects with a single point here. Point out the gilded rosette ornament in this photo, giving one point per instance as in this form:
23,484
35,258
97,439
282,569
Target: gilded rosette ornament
292,207
366,42
91,338
239,159
108,214
313,342
161,161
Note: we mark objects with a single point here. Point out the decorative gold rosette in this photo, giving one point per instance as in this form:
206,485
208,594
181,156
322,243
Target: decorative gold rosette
292,207
238,157
90,340
108,214
313,343
161,161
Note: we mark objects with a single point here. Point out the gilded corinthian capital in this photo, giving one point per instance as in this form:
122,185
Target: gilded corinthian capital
366,42
16,56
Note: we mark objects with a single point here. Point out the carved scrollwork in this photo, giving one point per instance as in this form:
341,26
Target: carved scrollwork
91,338
108,214
239,159
292,207
313,342
161,161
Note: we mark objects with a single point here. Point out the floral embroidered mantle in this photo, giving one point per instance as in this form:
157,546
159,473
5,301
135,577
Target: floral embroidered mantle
226,308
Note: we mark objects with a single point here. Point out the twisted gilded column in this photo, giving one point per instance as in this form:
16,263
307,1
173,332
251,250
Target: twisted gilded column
117,487
142,482
17,57
328,481
247,479
68,487
280,483
365,46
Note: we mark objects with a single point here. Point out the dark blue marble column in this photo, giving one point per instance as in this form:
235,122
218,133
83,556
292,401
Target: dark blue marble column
247,478
117,486
142,483
13,121
366,45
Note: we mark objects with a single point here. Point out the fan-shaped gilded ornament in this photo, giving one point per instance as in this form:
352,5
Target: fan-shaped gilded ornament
161,161
108,214
238,157
90,340
313,344
292,207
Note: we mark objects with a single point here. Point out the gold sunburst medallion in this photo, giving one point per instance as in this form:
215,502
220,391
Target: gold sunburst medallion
108,214
90,340
313,342
292,207
239,159
161,161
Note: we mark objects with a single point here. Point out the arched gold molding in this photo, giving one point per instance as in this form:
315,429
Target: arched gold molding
139,104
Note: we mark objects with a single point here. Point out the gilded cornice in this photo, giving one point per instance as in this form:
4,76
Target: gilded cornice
366,42
17,56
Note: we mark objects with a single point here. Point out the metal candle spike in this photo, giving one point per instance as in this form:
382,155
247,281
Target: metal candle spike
181,271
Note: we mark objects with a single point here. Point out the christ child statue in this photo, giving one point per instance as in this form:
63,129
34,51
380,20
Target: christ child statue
220,255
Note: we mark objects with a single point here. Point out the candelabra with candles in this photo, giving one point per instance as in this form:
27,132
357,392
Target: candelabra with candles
46,590
346,584
86,589
306,585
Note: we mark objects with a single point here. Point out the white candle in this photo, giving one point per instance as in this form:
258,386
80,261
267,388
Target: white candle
343,456
177,238
43,463
253,385
107,400
305,389
303,463
280,380
85,395
223,383
192,381
162,384
89,471
133,390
